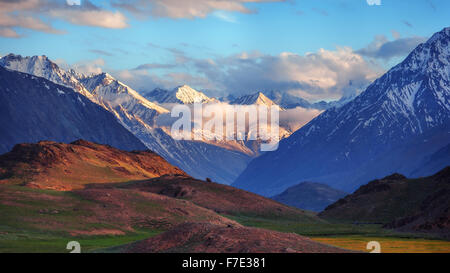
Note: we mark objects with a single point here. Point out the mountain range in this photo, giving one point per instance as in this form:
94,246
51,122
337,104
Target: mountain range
288,101
135,113
34,109
399,122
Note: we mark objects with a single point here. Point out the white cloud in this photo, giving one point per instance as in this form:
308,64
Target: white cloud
8,32
96,18
73,2
185,8
295,118
322,75
16,16
374,2
382,48
326,74
225,16
86,67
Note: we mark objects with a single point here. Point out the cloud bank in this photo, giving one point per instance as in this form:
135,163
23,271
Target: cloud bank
324,74
384,49
37,15
184,8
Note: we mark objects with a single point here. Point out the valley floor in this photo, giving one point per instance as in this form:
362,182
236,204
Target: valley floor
388,244
354,237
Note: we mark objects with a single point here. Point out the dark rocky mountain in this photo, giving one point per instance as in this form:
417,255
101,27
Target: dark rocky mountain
309,196
400,120
416,205
34,109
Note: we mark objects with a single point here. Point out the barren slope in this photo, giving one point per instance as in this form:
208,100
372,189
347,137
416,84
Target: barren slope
51,165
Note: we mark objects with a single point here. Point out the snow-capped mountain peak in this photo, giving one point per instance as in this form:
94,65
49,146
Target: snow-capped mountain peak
188,95
183,94
399,122
257,98
41,66
107,89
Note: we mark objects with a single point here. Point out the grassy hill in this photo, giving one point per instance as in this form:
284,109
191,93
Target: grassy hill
52,193
416,205
59,166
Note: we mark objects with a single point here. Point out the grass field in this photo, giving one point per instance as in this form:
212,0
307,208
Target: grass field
28,224
388,244
353,237
34,242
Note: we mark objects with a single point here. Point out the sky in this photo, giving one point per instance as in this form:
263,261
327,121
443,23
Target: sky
316,49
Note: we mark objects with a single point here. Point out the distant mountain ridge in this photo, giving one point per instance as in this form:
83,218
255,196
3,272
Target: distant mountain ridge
401,119
257,98
309,196
34,109
288,101
183,94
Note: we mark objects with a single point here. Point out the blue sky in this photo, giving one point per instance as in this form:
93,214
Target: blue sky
229,47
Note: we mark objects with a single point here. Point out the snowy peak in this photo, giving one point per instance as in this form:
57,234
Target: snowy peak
183,94
418,89
430,57
188,95
41,66
36,65
441,35
109,90
255,99
395,125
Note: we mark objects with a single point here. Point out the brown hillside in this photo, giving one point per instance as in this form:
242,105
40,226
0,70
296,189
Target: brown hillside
59,166
210,238
96,211
86,189
219,198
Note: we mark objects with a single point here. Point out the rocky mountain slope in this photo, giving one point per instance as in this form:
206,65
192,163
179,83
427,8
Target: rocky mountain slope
393,126
41,66
33,109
